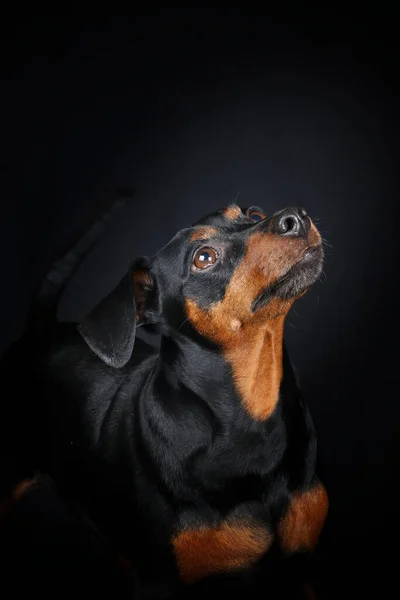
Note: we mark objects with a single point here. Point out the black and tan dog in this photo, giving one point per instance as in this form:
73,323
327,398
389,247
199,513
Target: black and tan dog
196,462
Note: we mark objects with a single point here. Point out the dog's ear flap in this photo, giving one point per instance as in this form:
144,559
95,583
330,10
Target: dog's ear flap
110,328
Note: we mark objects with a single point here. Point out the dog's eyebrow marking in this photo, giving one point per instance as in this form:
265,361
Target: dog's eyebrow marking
226,547
203,233
302,524
232,212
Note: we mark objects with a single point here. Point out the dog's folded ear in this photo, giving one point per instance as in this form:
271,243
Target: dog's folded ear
110,328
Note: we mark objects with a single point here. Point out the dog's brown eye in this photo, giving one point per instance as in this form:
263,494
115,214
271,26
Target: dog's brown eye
256,215
204,258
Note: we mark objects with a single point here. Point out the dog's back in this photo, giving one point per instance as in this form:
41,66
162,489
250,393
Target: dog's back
49,355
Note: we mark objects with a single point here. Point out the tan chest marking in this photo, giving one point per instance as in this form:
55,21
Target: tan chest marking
226,547
302,525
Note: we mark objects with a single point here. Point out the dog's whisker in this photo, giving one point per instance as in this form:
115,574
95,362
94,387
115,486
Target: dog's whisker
323,278
182,324
236,198
325,242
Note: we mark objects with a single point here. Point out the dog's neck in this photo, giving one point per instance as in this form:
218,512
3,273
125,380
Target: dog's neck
255,356
251,361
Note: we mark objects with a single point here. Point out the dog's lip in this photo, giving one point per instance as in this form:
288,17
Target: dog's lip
308,252
307,255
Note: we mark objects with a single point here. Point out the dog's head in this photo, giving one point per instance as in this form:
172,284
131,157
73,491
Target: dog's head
234,268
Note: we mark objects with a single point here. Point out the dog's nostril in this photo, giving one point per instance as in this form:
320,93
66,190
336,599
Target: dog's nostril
288,224
291,222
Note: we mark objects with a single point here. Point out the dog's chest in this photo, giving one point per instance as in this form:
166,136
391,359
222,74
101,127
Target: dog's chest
233,543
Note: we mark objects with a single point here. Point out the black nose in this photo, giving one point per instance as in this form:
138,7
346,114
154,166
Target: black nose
291,222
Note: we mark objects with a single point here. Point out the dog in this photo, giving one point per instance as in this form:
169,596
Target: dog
197,460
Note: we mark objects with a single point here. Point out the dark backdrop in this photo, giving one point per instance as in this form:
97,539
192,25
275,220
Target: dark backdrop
192,111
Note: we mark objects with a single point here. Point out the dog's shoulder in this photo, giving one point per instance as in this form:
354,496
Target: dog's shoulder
59,363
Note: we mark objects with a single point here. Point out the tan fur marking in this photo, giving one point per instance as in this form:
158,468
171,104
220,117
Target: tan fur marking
232,212
18,492
123,563
301,526
314,237
226,547
255,354
203,233
308,592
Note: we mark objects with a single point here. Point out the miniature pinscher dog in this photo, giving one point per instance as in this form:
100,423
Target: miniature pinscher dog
196,461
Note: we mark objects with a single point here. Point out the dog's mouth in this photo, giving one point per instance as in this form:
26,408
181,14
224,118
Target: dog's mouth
302,275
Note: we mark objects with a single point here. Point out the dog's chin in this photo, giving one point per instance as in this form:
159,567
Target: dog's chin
300,277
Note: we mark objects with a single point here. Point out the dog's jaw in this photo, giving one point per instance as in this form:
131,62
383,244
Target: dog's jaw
296,281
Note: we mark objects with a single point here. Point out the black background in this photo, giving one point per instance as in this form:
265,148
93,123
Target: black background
193,110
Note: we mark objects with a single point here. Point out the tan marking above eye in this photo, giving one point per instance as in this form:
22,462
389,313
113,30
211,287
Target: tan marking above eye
204,258
203,233
233,212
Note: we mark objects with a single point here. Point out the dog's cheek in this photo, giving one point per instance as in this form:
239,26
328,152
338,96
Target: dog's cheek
314,237
277,256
